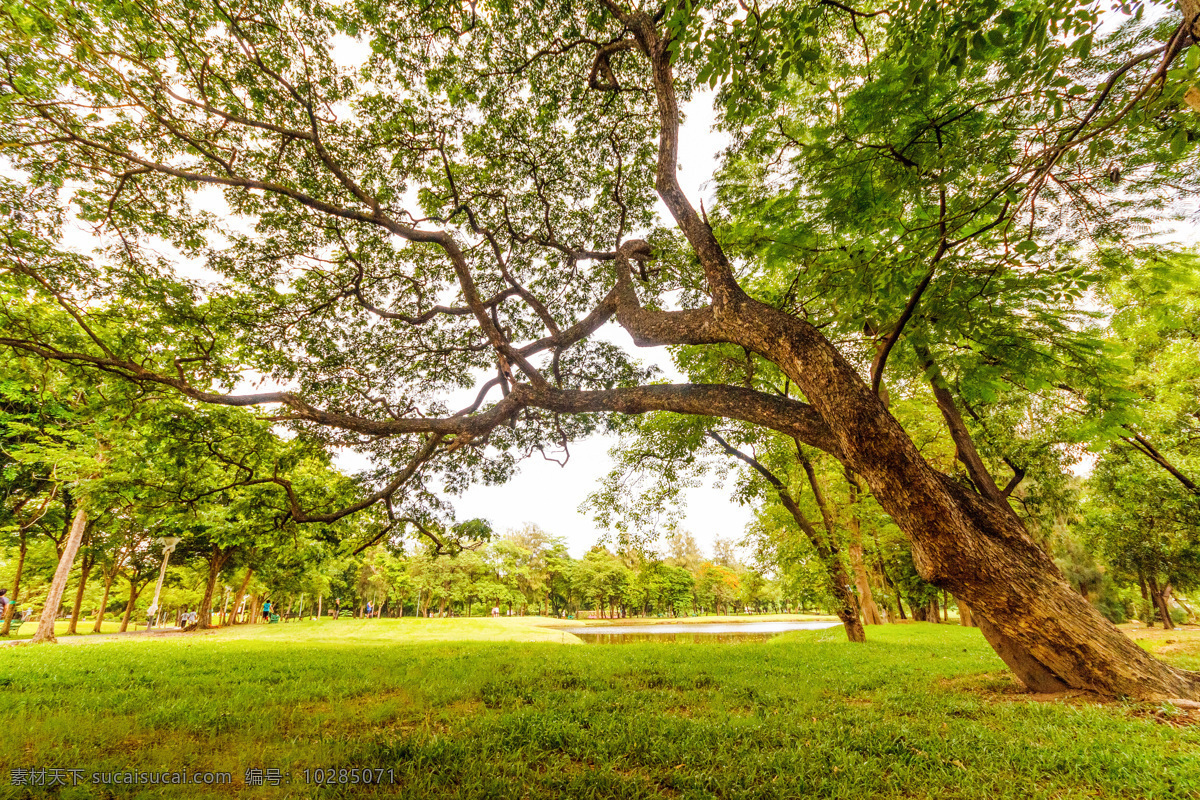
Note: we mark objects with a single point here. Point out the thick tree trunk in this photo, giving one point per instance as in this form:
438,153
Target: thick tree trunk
968,544
16,587
1190,10
108,582
1033,673
45,631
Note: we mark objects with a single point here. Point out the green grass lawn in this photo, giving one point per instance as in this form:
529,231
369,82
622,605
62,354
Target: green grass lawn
919,711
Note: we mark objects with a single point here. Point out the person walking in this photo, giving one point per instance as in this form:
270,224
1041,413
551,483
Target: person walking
266,611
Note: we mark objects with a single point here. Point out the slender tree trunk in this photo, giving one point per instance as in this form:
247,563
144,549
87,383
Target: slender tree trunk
866,599
1166,602
888,583
68,501
242,592
848,607
964,614
1187,610
108,582
838,582
1147,603
85,569
16,589
45,631
1159,600
134,591
216,561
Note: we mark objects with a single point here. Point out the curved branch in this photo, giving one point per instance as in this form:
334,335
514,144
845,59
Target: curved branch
790,417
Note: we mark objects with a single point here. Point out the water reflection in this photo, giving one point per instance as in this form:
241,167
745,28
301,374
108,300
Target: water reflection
721,632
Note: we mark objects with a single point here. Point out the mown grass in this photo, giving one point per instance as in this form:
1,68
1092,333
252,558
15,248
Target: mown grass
919,711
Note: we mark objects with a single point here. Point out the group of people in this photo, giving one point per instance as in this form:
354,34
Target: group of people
335,611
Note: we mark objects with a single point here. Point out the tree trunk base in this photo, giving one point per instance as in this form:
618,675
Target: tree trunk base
1030,671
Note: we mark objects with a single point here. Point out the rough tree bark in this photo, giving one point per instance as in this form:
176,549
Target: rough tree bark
962,541
45,631
1191,18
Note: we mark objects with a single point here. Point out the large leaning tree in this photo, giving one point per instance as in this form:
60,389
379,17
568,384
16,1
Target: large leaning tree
424,219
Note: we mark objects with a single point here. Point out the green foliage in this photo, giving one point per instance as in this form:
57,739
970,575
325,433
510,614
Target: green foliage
1140,521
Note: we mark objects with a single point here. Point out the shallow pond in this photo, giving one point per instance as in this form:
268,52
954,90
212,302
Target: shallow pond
692,632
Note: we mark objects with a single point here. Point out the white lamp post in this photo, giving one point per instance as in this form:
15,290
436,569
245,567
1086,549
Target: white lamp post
168,543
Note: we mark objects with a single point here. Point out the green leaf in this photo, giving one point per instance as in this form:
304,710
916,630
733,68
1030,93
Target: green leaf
1179,142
